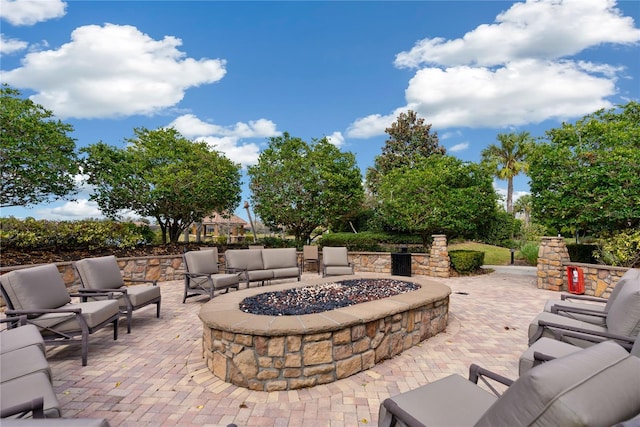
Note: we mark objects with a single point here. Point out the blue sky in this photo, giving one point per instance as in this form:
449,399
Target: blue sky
236,73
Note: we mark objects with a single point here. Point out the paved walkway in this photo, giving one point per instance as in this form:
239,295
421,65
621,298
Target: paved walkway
156,375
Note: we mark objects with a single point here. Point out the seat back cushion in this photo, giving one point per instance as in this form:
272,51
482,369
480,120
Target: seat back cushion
335,256
633,274
594,386
100,272
202,262
249,259
623,318
39,287
279,258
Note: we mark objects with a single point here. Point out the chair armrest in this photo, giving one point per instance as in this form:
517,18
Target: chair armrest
564,330
15,321
400,414
153,282
42,311
35,406
565,297
479,373
555,309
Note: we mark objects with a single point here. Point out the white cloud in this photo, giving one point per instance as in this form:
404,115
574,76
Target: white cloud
336,139
542,29
459,147
81,208
227,140
110,71
29,12
514,72
8,45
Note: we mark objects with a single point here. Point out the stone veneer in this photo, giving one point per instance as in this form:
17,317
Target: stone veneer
553,260
270,353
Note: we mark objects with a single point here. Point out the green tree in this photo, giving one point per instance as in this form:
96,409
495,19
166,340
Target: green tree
440,194
586,177
304,186
38,158
163,175
509,159
410,140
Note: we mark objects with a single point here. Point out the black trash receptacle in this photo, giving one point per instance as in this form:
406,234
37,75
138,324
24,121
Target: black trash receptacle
401,263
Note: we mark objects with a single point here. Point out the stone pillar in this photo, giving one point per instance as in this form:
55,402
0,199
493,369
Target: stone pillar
439,257
552,256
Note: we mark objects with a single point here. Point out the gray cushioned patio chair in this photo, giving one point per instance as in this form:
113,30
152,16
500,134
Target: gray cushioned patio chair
547,348
335,261
17,393
43,416
41,295
102,274
19,334
203,276
621,322
597,386
588,308
310,256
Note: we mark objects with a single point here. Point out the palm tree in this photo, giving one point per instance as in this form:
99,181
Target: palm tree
509,159
523,205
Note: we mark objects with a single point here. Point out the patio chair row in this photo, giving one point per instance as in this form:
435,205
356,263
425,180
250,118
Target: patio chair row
204,274
40,294
572,373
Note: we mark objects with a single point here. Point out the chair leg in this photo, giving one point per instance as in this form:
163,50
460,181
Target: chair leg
85,348
115,329
158,309
129,320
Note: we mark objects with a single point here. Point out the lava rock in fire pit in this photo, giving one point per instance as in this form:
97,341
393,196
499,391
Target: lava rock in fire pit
324,297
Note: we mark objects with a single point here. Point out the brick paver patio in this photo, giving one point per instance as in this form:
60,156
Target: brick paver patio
156,375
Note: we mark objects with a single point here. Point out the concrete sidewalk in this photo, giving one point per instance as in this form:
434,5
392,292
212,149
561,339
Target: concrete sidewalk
156,375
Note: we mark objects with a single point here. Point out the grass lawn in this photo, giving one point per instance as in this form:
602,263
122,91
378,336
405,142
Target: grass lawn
493,255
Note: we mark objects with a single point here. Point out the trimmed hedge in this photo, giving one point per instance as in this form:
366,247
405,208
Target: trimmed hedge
466,261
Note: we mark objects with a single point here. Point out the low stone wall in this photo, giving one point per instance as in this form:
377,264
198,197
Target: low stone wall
270,353
553,260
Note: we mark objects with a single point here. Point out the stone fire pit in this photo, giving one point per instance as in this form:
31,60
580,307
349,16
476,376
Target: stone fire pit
272,353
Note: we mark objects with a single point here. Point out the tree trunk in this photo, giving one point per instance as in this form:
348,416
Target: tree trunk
510,195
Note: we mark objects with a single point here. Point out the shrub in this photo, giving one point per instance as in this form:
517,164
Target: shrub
32,234
466,261
529,252
502,229
365,241
620,249
277,242
582,253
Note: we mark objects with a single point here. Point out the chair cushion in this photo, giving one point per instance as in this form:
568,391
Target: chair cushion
547,346
39,287
23,361
562,320
450,401
280,273
623,317
279,258
581,306
141,295
594,386
202,262
256,275
222,281
22,336
29,387
100,272
95,313
335,256
338,271
249,259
